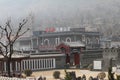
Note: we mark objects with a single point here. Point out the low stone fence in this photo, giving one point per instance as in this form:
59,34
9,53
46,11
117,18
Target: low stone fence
13,78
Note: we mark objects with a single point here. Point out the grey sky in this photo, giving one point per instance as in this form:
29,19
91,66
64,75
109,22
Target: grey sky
47,9
23,7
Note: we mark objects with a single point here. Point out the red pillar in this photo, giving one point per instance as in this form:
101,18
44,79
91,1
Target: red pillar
77,58
67,58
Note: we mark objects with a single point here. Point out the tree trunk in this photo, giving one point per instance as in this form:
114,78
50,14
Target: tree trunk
8,67
9,60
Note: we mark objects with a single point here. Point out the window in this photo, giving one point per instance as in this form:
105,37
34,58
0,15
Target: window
68,39
97,40
57,40
46,42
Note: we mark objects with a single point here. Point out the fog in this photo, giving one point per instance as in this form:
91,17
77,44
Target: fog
104,15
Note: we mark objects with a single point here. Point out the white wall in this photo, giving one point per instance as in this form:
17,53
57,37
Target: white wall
97,65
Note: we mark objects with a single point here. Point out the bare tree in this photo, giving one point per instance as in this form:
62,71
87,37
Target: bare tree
7,32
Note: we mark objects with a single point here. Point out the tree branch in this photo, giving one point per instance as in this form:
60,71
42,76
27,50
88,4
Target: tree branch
6,32
20,27
1,51
1,36
19,35
6,50
8,25
2,28
2,44
19,30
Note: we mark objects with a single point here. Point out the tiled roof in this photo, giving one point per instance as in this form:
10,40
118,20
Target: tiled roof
17,55
48,55
69,33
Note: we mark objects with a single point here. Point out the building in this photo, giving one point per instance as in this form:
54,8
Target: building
46,48
52,49
49,40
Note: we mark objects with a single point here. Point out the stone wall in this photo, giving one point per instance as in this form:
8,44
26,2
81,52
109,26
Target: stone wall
60,62
109,53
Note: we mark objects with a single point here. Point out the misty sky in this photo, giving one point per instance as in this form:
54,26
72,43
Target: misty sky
17,8
47,9
23,7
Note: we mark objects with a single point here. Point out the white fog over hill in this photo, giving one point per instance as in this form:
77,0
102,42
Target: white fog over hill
101,15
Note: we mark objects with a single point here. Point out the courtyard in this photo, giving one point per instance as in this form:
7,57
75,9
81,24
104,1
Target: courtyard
49,73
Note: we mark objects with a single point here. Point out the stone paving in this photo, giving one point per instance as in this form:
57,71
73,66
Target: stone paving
49,73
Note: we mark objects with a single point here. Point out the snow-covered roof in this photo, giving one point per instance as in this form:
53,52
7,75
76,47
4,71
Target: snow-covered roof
48,55
17,55
74,44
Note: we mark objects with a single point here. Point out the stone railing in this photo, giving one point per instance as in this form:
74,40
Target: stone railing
13,78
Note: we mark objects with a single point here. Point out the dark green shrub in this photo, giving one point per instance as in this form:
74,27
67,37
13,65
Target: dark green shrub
101,75
67,76
27,72
56,74
83,77
90,78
